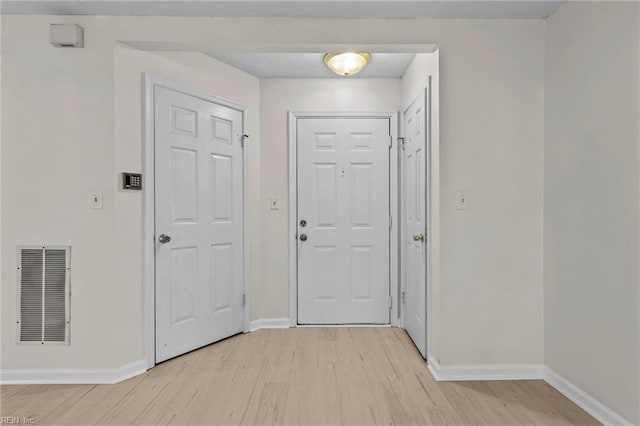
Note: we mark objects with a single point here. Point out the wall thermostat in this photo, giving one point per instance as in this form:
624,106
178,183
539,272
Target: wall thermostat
132,181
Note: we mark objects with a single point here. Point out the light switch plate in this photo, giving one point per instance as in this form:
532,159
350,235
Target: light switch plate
95,202
462,200
275,204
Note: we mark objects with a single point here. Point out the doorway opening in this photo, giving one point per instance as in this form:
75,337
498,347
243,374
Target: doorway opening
195,152
271,279
343,172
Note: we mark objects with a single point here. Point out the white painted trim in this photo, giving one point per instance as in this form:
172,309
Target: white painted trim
148,226
638,230
484,371
394,211
344,326
177,86
238,45
269,323
73,376
433,259
293,215
246,144
293,204
591,405
150,81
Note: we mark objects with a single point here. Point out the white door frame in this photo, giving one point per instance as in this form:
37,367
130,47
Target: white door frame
293,205
148,186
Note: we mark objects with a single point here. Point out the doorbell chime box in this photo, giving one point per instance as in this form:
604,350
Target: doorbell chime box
66,35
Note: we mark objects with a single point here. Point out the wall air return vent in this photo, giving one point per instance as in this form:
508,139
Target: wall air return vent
43,295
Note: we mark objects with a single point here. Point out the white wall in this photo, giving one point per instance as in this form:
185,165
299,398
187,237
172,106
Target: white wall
491,145
488,285
416,77
277,98
591,215
57,143
72,123
491,139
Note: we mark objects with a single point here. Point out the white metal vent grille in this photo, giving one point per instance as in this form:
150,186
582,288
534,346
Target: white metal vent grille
43,294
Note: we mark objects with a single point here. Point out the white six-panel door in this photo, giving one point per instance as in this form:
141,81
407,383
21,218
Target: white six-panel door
343,220
414,226
199,207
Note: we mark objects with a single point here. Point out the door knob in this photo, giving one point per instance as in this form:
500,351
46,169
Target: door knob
164,238
303,223
418,237
303,237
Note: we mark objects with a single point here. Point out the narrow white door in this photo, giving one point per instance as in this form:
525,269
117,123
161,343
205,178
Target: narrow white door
413,251
199,232
343,221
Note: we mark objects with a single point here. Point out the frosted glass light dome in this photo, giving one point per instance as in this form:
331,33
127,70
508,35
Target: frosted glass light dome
347,63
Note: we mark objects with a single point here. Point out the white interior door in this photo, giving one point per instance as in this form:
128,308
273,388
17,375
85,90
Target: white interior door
343,220
199,207
414,222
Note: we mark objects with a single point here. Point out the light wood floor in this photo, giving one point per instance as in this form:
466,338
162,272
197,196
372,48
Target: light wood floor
322,376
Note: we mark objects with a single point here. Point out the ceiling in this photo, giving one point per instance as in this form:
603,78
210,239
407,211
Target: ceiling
311,65
501,9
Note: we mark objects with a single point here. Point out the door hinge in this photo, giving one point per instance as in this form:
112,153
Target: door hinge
403,298
390,302
243,138
401,142
244,299
390,221
390,141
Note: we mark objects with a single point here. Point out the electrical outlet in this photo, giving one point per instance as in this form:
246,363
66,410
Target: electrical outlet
275,204
95,202
462,200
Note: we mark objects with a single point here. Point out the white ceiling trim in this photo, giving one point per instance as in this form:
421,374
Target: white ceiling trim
464,9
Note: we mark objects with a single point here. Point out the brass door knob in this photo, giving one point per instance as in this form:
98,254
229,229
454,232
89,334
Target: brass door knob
418,237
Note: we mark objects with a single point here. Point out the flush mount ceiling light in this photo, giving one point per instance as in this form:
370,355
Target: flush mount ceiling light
347,63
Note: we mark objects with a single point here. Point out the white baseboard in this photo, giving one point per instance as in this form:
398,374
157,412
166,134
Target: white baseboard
597,409
343,325
269,323
72,376
591,405
484,372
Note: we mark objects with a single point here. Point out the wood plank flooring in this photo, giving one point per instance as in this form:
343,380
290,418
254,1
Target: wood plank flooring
298,376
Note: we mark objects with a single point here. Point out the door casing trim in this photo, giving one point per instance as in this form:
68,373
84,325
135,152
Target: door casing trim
293,117
150,80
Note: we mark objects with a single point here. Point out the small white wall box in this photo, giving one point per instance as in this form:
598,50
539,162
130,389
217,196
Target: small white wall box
66,35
